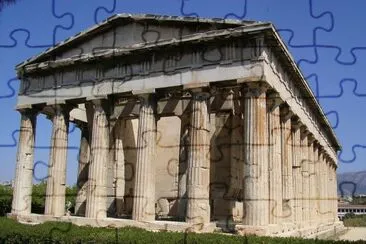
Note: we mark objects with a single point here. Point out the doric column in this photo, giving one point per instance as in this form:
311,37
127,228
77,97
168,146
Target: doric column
335,192
330,190
326,188
256,192
296,169
119,168
22,193
183,161
305,173
312,183
198,167
144,191
275,158
83,171
96,206
323,188
286,155
316,180
56,181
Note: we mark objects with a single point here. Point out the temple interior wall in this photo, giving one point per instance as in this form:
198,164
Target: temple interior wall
167,164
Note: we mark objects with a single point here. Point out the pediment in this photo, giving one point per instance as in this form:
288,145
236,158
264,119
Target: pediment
125,30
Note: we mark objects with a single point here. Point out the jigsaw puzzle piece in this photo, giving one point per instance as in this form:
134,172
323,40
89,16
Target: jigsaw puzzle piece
347,106
41,31
348,17
288,16
331,76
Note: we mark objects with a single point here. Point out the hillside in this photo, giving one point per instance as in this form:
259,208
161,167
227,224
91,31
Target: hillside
352,183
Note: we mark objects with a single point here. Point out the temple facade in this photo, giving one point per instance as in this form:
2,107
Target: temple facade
186,124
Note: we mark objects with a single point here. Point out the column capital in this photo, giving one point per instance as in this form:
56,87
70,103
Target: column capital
254,89
304,131
199,93
63,108
99,103
311,139
285,112
27,110
295,123
321,148
273,100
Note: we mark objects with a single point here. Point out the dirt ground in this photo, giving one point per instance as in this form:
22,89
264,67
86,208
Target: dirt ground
354,234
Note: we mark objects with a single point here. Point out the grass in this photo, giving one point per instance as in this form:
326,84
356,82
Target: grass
355,221
57,232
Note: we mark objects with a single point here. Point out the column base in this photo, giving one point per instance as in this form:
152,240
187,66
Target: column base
320,231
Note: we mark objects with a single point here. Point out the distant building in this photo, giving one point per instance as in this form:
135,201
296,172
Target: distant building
344,209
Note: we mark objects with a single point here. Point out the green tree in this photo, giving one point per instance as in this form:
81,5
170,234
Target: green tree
6,197
39,197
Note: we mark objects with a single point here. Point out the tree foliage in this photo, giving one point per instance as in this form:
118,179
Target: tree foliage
38,198
6,196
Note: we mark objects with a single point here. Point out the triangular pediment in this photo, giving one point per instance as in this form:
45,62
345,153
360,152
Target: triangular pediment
125,30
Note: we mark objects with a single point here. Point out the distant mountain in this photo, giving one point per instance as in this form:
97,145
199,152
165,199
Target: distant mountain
351,183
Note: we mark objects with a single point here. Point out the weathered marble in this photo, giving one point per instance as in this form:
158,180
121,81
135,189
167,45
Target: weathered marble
209,136
287,161
119,161
256,203
275,163
305,174
83,171
296,171
56,180
144,192
22,192
198,167
97,192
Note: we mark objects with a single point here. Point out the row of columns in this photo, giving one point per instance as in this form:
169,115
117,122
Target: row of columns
287,176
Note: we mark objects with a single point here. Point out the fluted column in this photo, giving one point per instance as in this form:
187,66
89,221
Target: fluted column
119,168
305,173
83,171
275,160
330,191
198,167
335,192
296,170
323,188
56,181
96,205
183,160
326,188
256,192
144,191
318,182
22,192
286,155
312,183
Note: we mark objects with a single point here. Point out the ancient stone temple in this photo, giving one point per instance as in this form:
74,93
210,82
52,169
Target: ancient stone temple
186,124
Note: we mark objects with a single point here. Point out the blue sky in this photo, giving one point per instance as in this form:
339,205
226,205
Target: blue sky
326,38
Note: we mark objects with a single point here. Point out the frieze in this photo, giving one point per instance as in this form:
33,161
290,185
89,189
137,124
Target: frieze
129,68
297,96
